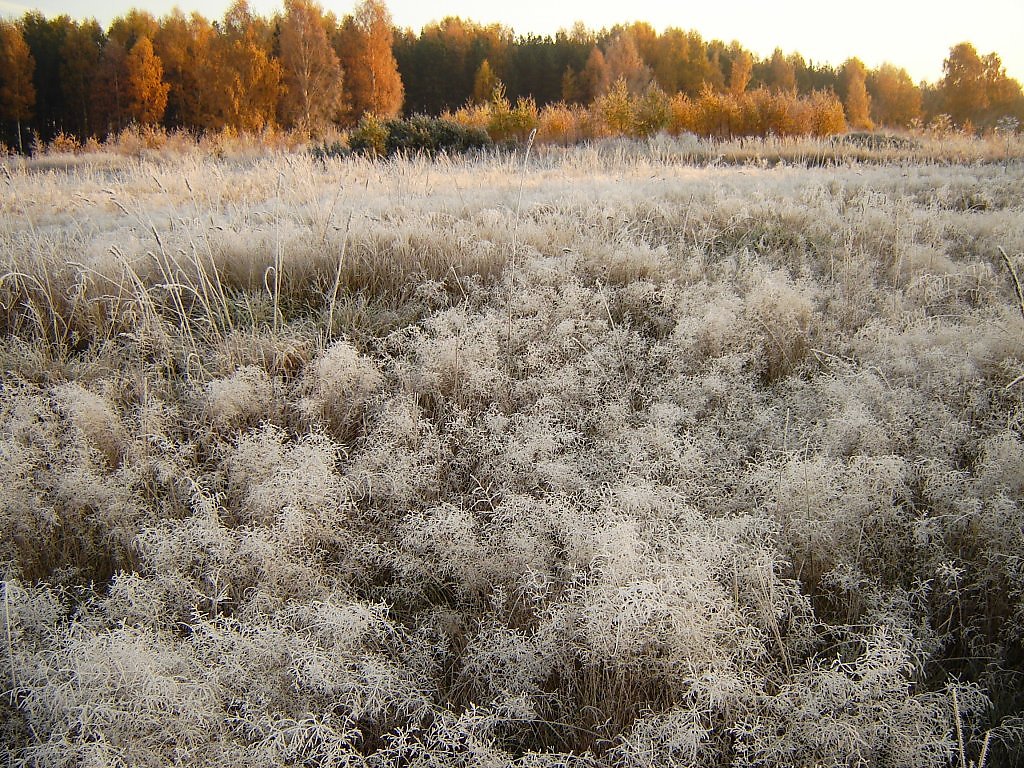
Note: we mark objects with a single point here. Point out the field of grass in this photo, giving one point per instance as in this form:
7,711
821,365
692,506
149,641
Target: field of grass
637,454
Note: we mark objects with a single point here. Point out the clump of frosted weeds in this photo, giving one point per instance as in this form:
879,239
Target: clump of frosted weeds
338,384
859,709
272,481
400,466
94,415
458,357
781,310
709,321
243,399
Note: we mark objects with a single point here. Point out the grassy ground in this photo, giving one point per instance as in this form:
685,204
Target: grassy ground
641,454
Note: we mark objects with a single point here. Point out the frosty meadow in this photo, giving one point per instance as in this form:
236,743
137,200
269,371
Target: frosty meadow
641,454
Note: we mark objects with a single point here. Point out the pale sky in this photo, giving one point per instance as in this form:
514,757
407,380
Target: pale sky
916,34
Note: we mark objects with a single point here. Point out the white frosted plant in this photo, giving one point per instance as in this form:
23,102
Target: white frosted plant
242,399
447,541
343,651
28,517
107,696
708,323
640,603
400,463
674,739
268,478
781,313
500,661
67,507
1002,464
459,357
95,417
859,709
338,384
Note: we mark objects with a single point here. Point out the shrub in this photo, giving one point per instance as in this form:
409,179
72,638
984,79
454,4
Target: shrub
682,115
370,137
616,109
559,124
415,135
507,123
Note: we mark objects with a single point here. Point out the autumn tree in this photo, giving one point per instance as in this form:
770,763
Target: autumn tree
1005,98
895,100
129,28
781,73
572,92
740,72
854,92
594,80
668,56
17,93
115,92
964,95
976,88
312,73
625,63
248,83
700,70
185,47
372,82
484,83
146,89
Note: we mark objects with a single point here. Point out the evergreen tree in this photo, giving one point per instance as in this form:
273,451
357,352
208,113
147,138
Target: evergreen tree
80,61
45,39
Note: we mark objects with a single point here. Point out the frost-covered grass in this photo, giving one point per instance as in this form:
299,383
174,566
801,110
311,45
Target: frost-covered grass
296,469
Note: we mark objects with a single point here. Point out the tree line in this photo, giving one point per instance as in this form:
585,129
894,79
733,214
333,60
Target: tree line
306,69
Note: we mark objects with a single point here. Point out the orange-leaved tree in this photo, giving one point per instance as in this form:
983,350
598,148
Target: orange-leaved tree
963,84
185,47
856,101
146,89
17,93
895,100
249,79
781,73
625,63
372,83
740,72
484,83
